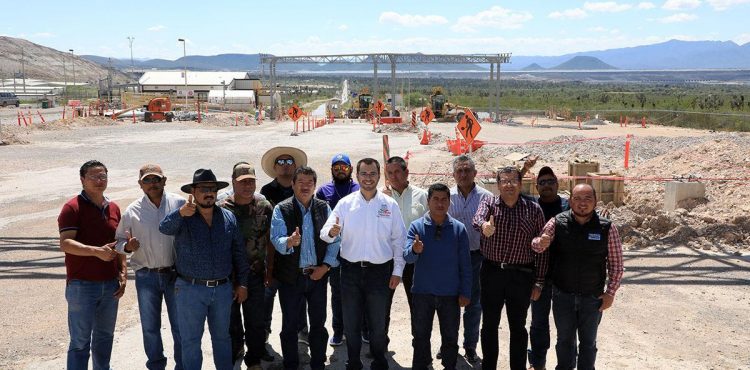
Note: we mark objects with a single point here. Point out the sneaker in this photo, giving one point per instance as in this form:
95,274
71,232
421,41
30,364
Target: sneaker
471,356
303,338
366,338
336,341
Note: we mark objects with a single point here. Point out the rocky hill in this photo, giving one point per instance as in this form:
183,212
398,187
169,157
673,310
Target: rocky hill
41,62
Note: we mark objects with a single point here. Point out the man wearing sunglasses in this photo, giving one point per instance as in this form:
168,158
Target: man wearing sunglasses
152,259
279,163
210,249
438,247
340,186
539,337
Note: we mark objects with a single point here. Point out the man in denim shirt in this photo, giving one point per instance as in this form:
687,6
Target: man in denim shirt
209,248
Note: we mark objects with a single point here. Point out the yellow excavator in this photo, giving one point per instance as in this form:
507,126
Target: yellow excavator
444,110
361,105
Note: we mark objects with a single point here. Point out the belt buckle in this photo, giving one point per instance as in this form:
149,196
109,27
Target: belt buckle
212,283
503,265
307,270
362,263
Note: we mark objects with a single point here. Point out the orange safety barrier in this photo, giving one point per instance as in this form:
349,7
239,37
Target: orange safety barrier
19,118
41,116
460,146
627,151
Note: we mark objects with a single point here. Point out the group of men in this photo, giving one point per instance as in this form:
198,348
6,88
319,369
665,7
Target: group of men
222,258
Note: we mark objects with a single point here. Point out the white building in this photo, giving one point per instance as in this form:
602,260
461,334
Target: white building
198,83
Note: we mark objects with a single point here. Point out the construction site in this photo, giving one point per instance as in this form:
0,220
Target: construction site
676,194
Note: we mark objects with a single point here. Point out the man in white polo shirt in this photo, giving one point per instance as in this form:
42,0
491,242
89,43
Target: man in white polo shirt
372,261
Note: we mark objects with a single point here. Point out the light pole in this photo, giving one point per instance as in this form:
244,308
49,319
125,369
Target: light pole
224,99
65,76
73,61
184,56
130,40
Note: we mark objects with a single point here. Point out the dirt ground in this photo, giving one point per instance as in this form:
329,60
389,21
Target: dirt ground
681,305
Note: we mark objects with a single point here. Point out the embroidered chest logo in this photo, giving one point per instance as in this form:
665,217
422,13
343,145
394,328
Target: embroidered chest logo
384,211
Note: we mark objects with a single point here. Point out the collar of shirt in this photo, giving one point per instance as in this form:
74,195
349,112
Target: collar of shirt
429,221
100,206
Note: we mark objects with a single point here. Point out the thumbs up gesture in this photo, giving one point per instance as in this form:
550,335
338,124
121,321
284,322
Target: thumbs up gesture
133,244
295,239
418,245
188,209
488,228
335,229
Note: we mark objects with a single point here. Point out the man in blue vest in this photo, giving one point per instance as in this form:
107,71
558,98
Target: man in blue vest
301,265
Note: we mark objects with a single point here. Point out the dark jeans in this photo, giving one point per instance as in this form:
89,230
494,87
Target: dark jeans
576,314
473,312
539,333
407,280
314,294
364,289
512,289
153,288
268,302
422,315
337,319
252,332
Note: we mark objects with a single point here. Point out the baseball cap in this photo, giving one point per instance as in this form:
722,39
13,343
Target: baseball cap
149,170
341,157
546,171
243,171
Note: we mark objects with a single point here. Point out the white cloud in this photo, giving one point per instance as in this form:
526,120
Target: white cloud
726,4
494,17
681,4
608,6
409,20
646,5
343,27
157,28
742,39
679,17
569,14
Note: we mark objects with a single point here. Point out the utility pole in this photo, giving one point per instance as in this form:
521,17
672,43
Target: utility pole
184,55
23,70
132,66
73,61
65,76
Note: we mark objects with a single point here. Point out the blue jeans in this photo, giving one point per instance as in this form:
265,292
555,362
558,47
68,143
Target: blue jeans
92,312
575,315
151,288
364,290
473,312
313,294
198,303
424,307
539,332
252,332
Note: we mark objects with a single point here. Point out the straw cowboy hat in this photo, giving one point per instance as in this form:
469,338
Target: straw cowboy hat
269,158
203,176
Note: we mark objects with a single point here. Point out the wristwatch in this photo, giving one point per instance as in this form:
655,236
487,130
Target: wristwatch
539,285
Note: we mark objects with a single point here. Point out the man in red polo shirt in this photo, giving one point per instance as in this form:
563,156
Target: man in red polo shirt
96,274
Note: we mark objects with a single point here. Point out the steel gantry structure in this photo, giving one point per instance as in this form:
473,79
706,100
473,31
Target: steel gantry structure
392,59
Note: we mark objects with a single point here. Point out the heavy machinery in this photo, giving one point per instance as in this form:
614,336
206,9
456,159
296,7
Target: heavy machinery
361,105
159,109
445,111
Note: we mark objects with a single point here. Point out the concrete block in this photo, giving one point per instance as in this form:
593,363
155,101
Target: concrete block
676,191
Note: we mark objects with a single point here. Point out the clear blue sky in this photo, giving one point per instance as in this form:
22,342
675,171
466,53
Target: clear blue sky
543,27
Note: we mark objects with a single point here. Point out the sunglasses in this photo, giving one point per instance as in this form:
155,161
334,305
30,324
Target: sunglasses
285,162
547,182
207,189
102,177
152,180
341,167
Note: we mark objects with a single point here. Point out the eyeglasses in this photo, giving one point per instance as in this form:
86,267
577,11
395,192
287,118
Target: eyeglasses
438,231
341,167
102,177
508,182
152,180
285,162
207,189
368,174
547,182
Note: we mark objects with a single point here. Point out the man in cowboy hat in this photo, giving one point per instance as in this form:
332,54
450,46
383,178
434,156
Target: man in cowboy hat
209,248
279,163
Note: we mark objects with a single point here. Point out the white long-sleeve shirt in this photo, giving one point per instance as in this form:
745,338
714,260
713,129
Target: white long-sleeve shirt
142,219
371,231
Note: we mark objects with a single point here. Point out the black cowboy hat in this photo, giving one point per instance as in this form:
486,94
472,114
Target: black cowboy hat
203,176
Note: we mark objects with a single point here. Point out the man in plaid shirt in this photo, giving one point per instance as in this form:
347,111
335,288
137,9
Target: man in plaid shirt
587,254
512,273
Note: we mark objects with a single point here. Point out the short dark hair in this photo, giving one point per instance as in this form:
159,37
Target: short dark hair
398,160
368,161
305,170
593,191
463,158
509,169
91,164
437,187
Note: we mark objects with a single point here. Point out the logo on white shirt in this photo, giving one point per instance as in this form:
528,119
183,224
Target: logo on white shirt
384,211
